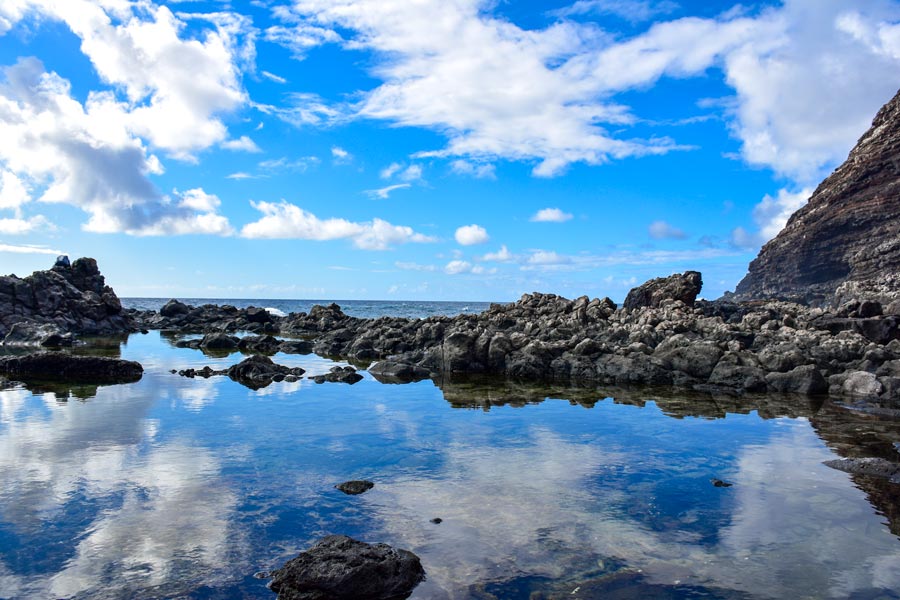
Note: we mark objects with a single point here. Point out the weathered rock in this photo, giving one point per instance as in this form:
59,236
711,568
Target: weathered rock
872,466
68,298
259,371
58,366
219,341
340,568
684,287
845,242
174,308
47,335
355,487
805,379
339,375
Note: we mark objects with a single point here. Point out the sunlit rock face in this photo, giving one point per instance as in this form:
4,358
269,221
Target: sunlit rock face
846,239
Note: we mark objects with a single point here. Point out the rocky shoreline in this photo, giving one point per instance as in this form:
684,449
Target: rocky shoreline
660,336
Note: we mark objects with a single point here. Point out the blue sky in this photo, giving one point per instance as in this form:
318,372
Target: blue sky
424,149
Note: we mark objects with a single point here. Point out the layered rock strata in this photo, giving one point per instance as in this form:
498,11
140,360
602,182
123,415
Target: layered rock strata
845,242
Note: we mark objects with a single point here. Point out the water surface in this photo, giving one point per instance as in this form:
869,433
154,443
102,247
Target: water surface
184,488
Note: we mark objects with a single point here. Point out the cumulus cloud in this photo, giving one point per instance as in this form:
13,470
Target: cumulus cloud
84,155
502,255
283,220
551,215
470,235
770,216
459,267
242,144
660,230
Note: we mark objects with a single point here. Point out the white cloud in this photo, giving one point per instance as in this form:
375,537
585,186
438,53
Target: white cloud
476,170
300,38
83,155
495,90
410,173
470,235
240,175
340,155
390,170
551,215
770,216
660,230
29,249
13,193
273,77
545,258
385,192
23,226
287,221
457,267
242,144
412,266
502,255
631,10
175,87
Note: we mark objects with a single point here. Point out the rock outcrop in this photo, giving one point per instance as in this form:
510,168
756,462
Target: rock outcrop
69,298
254,372
845,242
58,366
338,567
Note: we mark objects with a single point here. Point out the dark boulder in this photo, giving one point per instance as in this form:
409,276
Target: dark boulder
174,308
339,375
57,366
219,341
258,371
684,287
258,315
355,487
340,568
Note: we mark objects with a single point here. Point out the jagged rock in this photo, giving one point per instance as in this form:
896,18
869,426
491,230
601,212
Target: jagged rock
72,298
355,487
339,375
58,366
48,335
845,242
684,287
338,567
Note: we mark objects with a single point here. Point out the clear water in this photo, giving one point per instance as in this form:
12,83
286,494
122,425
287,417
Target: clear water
184,488
369,309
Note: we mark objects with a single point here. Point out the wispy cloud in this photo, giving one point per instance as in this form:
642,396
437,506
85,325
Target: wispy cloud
27,249
385,192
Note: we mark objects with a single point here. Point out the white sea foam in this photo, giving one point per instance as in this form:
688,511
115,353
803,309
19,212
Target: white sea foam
275,312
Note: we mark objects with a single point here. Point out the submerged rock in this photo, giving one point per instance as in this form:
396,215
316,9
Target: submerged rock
355,487
340,568
58,366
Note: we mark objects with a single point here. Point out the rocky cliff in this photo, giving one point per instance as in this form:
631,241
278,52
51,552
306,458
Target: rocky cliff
845,242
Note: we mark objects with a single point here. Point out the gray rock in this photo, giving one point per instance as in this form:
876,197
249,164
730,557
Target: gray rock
219,341
684,287
861,383
338,567
174,308
875,467
806,379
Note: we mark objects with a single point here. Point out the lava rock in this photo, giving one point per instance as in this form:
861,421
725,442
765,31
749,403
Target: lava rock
58,366
338,567
684,287
174,308
355,487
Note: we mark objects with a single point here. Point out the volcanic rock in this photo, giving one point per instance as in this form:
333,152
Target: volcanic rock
684,287
355,487
338,567
845,242
68,298
58,366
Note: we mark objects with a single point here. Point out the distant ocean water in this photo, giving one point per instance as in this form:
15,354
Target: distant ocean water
369,309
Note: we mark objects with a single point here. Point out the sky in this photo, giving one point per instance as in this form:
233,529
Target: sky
424,149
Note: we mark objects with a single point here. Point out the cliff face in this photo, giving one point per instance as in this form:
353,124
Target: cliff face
845,242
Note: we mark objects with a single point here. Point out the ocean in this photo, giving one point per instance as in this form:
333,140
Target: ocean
369,309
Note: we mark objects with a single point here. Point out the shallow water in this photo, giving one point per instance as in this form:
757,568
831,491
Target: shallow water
184,488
